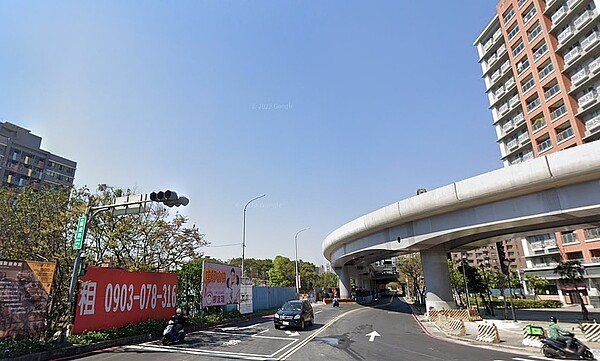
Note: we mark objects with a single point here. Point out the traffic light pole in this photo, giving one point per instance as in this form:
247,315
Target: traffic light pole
90,214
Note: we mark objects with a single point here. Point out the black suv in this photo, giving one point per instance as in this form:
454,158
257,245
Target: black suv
295,313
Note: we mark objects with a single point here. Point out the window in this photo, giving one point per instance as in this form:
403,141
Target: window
544,144
522,65
558,112
529,14
538,123
546,70
565,133
508,15
534,103
555,89
534,32
528,84
513,31
517,49
540,51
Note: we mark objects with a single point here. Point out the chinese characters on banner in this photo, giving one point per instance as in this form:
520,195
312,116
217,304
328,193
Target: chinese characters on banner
220,284
24,290
110,298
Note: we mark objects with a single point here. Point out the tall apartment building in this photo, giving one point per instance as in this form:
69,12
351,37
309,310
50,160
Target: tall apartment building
23,162
541,68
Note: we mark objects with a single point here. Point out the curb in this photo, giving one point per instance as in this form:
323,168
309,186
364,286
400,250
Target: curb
71,351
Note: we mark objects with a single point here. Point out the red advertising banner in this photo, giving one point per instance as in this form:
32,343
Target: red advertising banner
220,284
24,290
111,298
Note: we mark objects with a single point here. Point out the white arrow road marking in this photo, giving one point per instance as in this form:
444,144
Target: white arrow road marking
231,342
372,335
290,333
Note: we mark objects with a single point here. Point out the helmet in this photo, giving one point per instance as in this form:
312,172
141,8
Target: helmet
552,319
178,311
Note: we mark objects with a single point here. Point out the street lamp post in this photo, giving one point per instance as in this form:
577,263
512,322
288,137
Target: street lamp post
512,304
487,285
464,260
296,246
244,232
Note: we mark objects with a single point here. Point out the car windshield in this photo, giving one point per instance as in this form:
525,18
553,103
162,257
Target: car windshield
292,307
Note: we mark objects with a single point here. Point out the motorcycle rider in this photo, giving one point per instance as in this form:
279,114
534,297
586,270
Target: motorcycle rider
560,334
180,319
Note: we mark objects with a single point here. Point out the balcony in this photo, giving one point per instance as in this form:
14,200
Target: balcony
569,238
507,127
559,112
518,119
592,233
573,3
499,92
505,67
546,71
540,52
545,145
544,264
565,35
514,101
584,19
559,15
503,109
565,134
594,65
593,124
501,50
512,144
523,138
492,60
572,55
579,77
488,45
496,76
509,83
550,3
527,156
590,41
587,99
538,125
497,35
533,105
548,94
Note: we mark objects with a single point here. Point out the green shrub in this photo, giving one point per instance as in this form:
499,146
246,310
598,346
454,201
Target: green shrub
14,348
232,314
520,303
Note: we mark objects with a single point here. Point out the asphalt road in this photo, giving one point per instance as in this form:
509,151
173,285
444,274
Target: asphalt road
350,332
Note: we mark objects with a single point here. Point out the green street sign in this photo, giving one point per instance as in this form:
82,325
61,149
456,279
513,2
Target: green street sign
79,234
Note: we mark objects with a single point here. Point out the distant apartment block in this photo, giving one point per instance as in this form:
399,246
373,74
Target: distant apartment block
23,162
541,69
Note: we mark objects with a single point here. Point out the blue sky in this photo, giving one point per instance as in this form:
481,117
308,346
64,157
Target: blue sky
331,108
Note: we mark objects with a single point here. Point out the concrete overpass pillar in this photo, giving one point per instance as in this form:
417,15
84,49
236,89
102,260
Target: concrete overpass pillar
344,282
437,279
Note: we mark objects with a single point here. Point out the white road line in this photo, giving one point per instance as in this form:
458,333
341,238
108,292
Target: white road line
245,356
319,311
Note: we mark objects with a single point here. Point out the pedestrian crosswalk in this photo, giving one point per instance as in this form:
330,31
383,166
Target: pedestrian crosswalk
524,358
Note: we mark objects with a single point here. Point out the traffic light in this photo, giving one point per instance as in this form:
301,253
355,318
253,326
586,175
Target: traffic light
169,198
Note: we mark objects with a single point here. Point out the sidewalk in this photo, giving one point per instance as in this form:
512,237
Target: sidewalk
511,332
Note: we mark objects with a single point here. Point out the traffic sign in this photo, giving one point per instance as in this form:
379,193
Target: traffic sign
79,233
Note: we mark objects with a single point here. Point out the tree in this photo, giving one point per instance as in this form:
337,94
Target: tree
571,273
189,284
283,272
456,279
328,279
410,267
257,269
536,283
148,241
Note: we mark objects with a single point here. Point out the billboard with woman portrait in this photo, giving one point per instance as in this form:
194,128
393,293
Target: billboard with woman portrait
220,284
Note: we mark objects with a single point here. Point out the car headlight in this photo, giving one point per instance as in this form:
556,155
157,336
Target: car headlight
276,315
297,317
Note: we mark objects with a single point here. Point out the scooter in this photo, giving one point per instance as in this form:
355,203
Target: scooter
558,349
173,333
336,303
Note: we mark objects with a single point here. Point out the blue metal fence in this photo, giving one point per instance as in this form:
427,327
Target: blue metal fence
264,298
